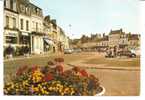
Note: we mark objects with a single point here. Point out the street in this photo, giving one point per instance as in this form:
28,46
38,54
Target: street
119,76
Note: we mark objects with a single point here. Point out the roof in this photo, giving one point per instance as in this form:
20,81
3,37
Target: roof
32,5
133,37
116,32
105,38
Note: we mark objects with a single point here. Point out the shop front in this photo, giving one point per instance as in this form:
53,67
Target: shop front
24,41
10,40
48,45
37,43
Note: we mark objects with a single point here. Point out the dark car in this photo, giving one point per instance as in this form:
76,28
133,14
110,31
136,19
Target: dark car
77,50
109,54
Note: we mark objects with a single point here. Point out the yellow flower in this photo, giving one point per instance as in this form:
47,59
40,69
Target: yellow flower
5,91
17,90
72,92
50,88
12,85
42,90
62,94
35,89
46,92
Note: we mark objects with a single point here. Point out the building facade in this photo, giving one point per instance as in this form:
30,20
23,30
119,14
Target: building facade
114,37
48,39
25,26
24,19
66,42
11,31
37,34
134,41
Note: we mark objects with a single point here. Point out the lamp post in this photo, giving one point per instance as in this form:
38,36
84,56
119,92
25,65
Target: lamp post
70,30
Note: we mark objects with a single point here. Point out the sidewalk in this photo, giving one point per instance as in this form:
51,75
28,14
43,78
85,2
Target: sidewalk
29,57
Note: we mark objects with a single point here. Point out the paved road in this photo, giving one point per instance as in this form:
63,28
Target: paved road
116,82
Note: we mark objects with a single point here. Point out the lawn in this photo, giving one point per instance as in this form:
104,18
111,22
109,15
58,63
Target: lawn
121,62
10,67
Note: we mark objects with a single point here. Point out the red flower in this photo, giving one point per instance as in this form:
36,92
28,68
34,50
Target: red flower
83,73
59,68
48,77
34,68
21,70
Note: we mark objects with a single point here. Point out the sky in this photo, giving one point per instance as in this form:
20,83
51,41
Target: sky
78,17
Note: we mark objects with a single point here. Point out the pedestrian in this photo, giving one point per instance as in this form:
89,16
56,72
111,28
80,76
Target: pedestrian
53,49
114,51
26,51
9,51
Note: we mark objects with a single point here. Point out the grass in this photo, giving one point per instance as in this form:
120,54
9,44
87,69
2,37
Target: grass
126,62
10,67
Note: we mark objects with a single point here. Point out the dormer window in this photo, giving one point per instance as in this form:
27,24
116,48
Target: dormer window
11,4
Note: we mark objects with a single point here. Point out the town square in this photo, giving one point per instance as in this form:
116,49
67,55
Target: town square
42,56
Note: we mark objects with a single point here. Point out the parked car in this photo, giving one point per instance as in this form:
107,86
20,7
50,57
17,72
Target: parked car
68,51
77,50
109,54
126,53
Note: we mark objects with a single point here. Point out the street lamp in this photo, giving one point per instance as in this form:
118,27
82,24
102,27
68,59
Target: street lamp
70,29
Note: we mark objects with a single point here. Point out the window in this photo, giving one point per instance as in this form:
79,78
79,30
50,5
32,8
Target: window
36,26
7,21
11,4
14,22
27,11
21,21
27,25
33,25
123,41
40,27
22,8
4,3
25,40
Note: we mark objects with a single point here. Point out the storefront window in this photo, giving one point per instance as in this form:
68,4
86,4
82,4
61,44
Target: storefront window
12,40
25,40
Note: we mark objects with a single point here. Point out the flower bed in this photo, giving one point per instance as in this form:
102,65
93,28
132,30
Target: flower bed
53,80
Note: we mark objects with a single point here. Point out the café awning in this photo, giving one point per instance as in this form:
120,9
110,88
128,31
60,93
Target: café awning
11,34
25,34
49,41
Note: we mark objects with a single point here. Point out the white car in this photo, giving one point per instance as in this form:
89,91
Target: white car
68,51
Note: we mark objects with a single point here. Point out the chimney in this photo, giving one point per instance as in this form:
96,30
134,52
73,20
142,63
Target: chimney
53,21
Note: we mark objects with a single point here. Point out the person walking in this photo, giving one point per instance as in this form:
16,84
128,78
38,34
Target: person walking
115,51
26,51
9,52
